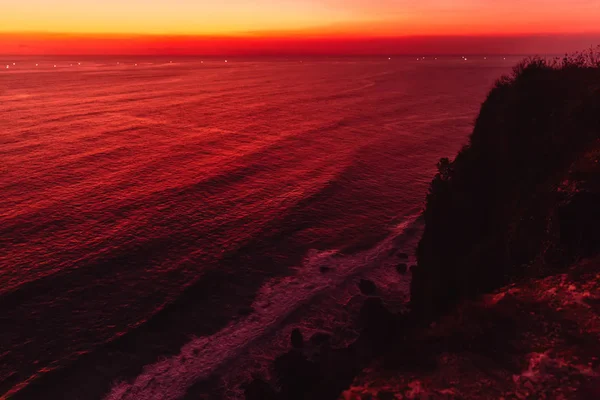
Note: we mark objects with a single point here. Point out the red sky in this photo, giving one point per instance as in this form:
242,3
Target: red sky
233,27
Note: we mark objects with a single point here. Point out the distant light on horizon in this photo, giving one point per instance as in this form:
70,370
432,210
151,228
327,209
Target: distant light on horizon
234,46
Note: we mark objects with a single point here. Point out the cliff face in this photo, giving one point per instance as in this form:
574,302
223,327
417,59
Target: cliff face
536,339
507,265
522,197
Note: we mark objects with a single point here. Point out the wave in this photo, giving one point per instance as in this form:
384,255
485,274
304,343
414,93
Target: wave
276,299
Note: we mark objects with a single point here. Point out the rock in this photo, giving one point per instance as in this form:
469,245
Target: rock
402,256
402,268
324,269
259,390
367,287
297,339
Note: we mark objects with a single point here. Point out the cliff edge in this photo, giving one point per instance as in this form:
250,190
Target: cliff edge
521,199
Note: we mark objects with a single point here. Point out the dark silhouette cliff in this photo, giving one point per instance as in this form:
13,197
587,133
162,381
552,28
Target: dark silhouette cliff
522,198
505,298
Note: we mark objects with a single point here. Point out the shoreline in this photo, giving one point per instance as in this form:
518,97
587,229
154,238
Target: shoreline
118,352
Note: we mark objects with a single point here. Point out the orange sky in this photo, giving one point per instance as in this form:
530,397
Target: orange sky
246,26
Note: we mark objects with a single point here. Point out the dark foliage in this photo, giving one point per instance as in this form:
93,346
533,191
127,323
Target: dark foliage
492,212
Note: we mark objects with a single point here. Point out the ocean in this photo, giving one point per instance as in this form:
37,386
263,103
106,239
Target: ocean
166,222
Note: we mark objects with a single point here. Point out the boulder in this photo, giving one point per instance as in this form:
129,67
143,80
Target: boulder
367,287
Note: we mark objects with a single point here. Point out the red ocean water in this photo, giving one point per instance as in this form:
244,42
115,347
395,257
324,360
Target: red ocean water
147,202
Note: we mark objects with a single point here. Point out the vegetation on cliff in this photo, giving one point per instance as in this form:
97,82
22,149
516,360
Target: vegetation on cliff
514,202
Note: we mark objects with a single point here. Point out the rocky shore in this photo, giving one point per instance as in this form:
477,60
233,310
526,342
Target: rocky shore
505,299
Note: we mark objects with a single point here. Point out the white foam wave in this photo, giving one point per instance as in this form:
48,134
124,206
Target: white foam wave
169,378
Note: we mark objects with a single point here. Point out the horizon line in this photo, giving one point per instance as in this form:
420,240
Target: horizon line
324,45
316,55
290,35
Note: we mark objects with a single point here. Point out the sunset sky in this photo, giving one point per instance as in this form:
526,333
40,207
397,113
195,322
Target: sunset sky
244,26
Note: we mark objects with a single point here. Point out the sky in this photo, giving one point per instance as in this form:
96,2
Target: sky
247,26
